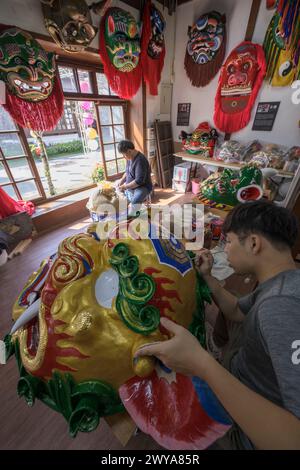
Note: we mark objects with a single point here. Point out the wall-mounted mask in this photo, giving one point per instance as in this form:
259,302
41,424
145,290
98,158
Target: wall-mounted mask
282,55
157,42
69,23
120,51
240,80
26,68
153,46
33,93
205,48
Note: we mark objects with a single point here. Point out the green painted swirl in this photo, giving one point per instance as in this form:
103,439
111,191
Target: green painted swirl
135,291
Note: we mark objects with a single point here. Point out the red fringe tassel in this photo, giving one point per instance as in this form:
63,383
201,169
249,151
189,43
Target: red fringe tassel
151,68
38,116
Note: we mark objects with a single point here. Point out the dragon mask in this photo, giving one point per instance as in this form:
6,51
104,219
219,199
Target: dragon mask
205,50
202,141
120,49
153,46
232,187
80,319
34,96
239,83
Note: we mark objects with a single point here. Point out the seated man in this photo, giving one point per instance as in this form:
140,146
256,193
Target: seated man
136,181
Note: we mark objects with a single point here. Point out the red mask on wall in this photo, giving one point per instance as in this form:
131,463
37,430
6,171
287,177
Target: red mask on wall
240,80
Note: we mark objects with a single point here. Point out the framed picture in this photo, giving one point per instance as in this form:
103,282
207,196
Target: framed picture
183,114
266,113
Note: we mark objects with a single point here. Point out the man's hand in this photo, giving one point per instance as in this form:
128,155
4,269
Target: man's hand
204,262
122,187
182,353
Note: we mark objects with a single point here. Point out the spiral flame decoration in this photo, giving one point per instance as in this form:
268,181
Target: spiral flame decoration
73,261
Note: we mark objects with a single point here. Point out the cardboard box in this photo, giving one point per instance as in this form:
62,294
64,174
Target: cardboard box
182,172
181,186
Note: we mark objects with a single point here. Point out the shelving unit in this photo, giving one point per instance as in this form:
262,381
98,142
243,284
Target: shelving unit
219,163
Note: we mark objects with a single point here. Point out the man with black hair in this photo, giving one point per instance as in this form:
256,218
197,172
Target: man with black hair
259,382
136,181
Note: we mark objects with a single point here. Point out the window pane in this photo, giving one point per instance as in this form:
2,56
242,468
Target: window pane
119,133
73,150
84,81
105,115
10,191
103,88
107,134
28,190
111,168
68,121
109,152
3,175
117,112
67,78
20,169
121,165
11,145
6,122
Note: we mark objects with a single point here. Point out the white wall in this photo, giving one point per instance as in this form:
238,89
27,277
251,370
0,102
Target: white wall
285,130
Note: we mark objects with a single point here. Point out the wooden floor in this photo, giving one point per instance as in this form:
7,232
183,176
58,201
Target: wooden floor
39,427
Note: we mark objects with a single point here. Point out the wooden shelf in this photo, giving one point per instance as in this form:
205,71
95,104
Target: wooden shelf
219,163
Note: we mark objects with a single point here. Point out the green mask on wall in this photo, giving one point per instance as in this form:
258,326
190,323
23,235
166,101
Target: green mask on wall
26,68
122,40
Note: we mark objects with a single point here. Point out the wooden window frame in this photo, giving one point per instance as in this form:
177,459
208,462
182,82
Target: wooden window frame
27,155
71,96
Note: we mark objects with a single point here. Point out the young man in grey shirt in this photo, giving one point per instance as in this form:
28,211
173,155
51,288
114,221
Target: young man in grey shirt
260,384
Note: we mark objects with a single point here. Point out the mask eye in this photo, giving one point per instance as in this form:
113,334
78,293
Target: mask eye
285,68
246,66
107,288
231,69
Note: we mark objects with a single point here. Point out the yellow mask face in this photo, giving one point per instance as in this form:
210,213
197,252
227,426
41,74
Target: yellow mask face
93,294
285,70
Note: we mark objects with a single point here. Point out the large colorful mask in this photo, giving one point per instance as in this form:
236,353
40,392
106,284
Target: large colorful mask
239,83
205,50
83,314
202,141
232,187
69,23
153,46
120,52
34,96
282,46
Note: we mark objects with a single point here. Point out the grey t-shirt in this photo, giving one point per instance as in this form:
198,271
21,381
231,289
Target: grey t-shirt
272,324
